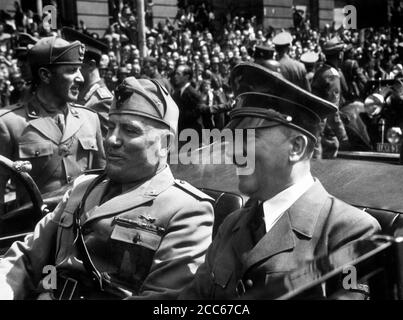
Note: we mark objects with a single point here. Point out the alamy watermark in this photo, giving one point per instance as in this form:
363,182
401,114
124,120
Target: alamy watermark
350,17
50,17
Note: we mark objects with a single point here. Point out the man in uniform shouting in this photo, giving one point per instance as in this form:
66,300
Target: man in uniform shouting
133,231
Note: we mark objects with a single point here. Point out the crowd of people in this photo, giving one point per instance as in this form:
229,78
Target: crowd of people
196,38
100,119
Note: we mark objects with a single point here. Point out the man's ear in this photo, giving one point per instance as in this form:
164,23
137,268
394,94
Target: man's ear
299,144
45,75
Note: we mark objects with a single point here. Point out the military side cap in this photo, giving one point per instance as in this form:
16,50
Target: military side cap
264,52
92,45
265,99
309,57
333,45
145,98
56,51
282,39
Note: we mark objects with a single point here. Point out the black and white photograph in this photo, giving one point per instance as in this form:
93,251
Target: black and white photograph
201,156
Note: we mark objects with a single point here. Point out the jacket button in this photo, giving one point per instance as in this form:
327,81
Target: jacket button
249,283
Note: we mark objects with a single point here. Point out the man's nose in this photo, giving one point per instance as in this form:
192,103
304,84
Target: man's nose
113,139
79,77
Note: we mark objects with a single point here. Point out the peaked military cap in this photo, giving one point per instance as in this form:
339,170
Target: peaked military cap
263,52
56,51
93,46
282,39
146,98
309,57
265,99
333,45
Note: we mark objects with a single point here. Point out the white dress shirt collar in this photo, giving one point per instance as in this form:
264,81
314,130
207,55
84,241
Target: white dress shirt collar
275,207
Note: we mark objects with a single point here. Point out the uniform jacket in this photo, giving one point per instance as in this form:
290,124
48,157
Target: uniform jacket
28,133
314,225
151,266
98,98
294,71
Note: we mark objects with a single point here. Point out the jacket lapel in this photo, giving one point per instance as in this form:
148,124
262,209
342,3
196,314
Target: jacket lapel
304,213
133,198
243,241
301,217
41,121
73,123
280,238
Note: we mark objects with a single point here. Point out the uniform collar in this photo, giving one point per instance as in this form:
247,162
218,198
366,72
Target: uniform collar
132,198
277,205
91,90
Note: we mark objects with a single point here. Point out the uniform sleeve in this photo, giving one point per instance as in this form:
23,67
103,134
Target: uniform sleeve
347,227
181,252
201,286
22,266
99,157
6,151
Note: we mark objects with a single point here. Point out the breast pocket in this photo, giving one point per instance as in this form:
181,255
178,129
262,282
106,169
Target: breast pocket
65,236
88,143
221,276
35,149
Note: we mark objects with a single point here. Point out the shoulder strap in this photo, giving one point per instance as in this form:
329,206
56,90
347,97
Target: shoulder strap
9,109
101,282
193,191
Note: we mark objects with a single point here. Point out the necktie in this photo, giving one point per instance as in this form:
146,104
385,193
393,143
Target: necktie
258,225
60,122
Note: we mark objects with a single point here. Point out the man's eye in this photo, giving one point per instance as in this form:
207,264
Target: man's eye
131,129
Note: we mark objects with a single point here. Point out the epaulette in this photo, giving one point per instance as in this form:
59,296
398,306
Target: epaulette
11,108
80,106
104,93
193,191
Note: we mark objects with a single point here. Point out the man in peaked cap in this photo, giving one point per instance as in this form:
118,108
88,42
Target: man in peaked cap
291,69
289,218
24,42
329,83
60,138
94,95
264,55
309,59
141,233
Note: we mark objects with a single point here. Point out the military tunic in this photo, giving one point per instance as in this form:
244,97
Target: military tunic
29,133
98,98
237,263
149,240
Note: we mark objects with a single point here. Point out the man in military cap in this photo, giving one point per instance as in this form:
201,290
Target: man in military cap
140,233
289,218
94,94
329,84
309,59
25,42
291,69
59,138
264,55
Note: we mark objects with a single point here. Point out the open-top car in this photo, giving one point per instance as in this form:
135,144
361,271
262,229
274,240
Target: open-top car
373,186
